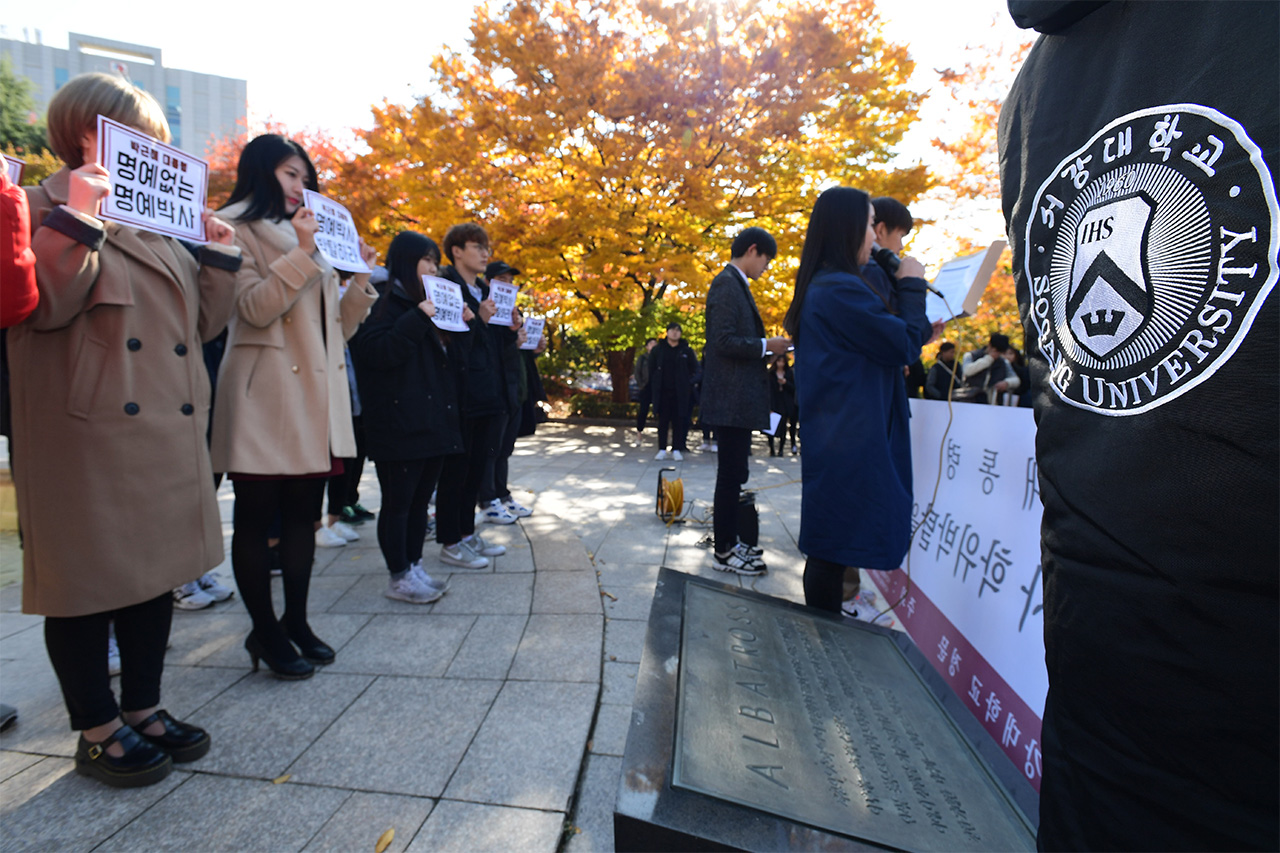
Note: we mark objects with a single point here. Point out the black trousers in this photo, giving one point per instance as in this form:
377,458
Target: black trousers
402,522
493,483
296,503
459,487
502,462
671,421
823,584
644,401
344,488
77,648
731,474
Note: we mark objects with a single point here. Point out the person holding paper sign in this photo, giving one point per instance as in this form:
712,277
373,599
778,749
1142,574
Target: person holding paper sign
283,415
851,344
110,396
412,417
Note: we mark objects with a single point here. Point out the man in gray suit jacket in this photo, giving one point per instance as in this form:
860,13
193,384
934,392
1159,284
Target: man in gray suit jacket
735,388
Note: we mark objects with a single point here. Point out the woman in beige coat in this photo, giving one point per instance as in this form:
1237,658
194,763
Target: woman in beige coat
283,414
110,401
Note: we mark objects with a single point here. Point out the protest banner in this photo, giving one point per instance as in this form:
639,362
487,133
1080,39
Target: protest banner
15,167
533,328
504,296
336,238
447,297
974,602
154,186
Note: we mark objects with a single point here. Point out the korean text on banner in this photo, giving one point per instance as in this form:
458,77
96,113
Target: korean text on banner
504,296
14,167
154,186
533,328
974,602
336,238
447,297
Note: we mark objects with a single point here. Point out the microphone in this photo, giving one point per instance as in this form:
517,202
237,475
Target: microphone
889,262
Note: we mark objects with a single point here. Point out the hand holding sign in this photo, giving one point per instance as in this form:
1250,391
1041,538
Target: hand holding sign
89,185
427,307
336,235
305,226
217,230
487,309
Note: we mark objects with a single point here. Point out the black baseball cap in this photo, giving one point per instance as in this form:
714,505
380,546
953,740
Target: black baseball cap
498,268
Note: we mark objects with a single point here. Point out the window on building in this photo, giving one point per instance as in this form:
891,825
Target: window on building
60,76
173,112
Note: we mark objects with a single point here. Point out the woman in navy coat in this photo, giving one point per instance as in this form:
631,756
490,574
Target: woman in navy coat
850,348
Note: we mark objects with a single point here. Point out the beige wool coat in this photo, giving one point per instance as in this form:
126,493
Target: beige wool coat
283,404
110,404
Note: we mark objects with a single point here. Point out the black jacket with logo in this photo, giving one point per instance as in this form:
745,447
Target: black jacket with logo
1138,149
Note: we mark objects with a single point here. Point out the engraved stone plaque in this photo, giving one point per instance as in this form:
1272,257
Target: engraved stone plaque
826,724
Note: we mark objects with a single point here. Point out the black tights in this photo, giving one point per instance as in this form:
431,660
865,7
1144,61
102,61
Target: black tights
823,584
78,651
407,485
297,501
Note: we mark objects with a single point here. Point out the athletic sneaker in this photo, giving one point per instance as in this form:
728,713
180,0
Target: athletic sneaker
749,550
485,549
864,610
461,556
516,509
362,513
409,587
326,538
735,562
213,587
677,455
662,454
190,596
351,517
440,585
113,655
496,513
346,531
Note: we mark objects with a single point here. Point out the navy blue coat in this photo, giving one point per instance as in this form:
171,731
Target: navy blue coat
856,496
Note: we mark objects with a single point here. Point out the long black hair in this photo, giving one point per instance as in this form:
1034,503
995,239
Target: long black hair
256,176
837,227
407,248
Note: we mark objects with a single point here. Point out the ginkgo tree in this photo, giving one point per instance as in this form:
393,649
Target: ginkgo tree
612,148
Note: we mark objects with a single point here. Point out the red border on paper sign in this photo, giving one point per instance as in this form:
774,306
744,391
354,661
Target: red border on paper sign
105,125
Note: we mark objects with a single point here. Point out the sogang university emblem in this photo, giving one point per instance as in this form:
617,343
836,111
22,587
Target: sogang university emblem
1149,253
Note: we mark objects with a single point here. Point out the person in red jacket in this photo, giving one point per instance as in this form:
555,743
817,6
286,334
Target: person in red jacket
18,295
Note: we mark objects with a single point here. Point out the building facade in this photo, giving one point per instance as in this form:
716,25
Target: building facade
200,108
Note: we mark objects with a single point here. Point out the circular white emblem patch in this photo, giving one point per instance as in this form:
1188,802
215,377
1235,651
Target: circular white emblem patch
1149,253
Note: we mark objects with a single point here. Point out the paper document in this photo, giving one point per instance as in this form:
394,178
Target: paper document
962,282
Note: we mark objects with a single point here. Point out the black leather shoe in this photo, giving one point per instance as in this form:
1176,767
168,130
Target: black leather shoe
143,763
292,668
312,647
182,741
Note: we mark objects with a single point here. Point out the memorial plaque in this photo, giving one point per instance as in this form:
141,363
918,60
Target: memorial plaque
760,724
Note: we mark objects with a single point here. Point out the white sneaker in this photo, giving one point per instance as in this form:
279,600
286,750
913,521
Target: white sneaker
715,448
677,455
496,513
190,596
113,655
409,587
864,610
427,580
485,549
346,531
213,587
662,454
516,509
462,556
326,538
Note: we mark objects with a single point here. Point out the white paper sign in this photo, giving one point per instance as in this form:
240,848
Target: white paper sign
447,297
533,327
774,420
14,166
504,296
337,238
154,186
974,602
962,282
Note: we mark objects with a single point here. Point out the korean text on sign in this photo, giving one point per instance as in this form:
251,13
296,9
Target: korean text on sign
447,297
336,237
533,328
14,166
504,296
154,186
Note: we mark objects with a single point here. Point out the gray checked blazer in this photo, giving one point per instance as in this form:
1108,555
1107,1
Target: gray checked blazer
735,387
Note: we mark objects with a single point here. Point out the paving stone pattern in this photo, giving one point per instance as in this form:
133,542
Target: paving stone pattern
493,719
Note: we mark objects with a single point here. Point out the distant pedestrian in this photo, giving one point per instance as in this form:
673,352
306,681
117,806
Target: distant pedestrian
942,377
644,391
672,367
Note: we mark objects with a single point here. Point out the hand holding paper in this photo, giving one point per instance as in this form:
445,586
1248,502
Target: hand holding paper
305,226
487,309
448,311
427,307
89,185
217,230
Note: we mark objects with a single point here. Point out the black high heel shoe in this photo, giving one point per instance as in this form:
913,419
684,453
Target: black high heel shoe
289,669
311,646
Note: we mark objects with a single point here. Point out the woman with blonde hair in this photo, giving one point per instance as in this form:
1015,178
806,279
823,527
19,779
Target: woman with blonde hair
110,398
282,420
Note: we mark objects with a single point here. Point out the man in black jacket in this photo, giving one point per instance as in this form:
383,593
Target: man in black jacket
1138,149
672,366
735,388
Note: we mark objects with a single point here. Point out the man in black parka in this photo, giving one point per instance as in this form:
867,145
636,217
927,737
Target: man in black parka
1138,152
672,366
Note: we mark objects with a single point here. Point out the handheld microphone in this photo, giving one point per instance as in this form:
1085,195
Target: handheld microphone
889,262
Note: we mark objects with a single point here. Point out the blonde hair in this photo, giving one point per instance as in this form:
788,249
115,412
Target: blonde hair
74,111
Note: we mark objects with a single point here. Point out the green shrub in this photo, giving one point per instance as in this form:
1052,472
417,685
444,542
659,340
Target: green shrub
598,405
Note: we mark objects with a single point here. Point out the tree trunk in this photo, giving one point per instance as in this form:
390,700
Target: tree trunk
620,364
